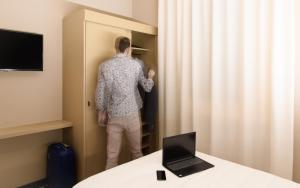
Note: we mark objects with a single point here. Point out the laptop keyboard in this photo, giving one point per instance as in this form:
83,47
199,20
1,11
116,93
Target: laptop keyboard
185,164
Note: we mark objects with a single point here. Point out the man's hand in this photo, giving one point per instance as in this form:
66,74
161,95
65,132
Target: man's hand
151,74
102,118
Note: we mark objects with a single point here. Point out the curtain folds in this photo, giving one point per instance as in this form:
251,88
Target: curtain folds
226,71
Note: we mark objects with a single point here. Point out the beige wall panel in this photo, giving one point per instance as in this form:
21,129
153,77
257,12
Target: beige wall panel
31,97
120,7
23,159
73,86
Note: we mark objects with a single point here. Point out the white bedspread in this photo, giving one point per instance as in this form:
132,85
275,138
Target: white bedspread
141,173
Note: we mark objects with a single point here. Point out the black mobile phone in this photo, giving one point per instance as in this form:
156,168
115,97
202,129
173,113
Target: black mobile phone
161,175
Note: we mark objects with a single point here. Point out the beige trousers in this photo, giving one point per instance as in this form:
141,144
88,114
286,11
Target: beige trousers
131,125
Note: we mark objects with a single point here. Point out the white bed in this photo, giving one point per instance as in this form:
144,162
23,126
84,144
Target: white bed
141,173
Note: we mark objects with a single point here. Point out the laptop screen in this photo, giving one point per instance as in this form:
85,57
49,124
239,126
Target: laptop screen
178,147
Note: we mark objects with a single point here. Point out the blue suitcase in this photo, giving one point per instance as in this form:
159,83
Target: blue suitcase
60,166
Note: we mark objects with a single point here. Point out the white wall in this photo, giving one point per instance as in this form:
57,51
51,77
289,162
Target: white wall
28,97
141,10
120,7
145,11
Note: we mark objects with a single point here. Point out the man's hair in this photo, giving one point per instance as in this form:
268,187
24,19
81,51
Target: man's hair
122,43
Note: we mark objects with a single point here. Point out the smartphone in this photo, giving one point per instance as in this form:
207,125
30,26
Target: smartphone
161,175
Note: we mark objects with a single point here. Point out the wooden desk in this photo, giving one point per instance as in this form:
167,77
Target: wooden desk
9,132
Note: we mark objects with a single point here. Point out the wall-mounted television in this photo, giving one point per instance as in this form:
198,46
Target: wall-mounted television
20,51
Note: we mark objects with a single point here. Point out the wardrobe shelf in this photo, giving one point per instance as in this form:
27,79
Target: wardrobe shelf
146,134
145,145
139,49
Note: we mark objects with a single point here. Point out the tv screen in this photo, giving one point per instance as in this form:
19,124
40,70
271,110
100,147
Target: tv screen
20,51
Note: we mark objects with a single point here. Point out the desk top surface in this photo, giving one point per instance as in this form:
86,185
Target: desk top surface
21,130
142,173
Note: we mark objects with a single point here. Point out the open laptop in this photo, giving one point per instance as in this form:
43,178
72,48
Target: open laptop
179,155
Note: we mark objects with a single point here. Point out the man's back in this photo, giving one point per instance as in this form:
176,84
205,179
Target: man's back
117,94
121,75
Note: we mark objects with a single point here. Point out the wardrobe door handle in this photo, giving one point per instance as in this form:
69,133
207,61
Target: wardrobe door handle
90,103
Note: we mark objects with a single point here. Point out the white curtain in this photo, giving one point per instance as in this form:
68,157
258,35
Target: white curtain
226,72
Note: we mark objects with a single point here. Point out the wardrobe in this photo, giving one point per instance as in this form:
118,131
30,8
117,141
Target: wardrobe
88,40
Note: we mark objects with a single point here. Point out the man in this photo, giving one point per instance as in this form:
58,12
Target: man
118,96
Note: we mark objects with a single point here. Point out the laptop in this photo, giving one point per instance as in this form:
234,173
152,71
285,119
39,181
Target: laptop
179,155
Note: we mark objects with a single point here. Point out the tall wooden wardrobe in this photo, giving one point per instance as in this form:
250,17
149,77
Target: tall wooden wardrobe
88,40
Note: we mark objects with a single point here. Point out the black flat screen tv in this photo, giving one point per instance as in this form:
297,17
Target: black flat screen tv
20,51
